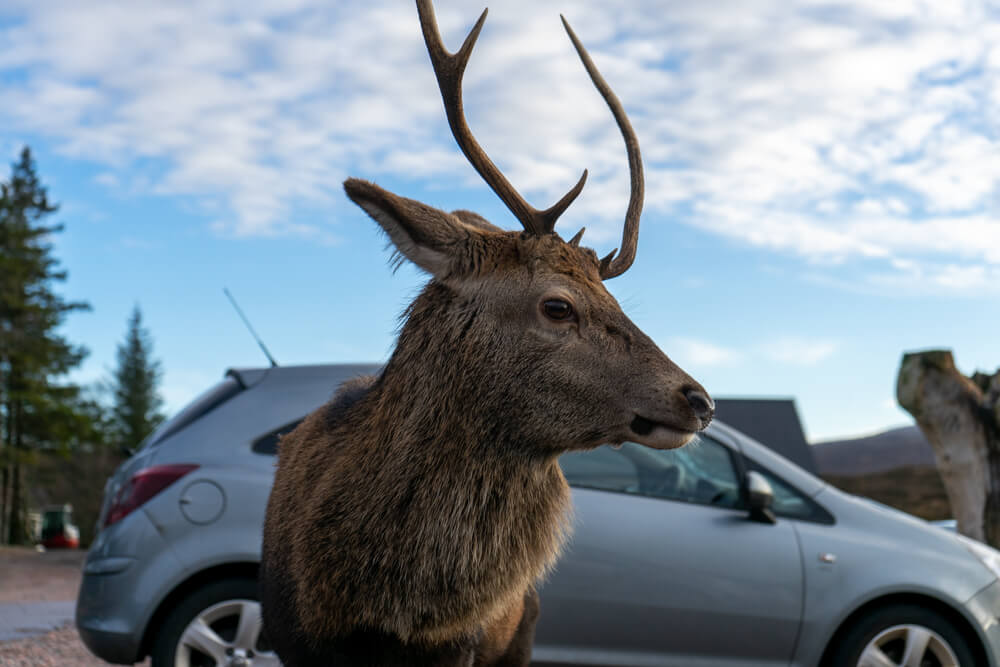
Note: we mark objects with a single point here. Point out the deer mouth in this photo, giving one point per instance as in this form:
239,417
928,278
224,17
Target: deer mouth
659,435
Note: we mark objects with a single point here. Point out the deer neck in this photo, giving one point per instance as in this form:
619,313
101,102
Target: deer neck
468,500
448,391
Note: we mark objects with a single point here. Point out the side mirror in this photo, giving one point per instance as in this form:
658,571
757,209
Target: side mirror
760,497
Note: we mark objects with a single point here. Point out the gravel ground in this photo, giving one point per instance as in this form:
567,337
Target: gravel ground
61,648
29,576
26,577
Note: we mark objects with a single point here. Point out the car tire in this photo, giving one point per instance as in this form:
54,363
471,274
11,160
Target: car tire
890,632
213,625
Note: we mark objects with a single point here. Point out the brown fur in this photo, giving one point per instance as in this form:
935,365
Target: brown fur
437,540
424,504
496,636
412,516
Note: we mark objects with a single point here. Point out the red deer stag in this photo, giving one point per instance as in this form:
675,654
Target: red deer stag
413,514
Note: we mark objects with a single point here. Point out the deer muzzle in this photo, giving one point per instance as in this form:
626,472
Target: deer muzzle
687,411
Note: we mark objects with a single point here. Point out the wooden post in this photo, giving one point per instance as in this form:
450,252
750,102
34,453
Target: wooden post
961,418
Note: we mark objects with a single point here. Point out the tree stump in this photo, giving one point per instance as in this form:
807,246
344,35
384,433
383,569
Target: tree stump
961,418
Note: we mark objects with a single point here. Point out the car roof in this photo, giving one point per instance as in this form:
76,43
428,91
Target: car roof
249,377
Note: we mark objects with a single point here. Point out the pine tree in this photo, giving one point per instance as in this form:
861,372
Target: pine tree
135,386
35,412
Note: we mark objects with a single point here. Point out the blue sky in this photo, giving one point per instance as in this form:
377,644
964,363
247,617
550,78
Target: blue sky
821,176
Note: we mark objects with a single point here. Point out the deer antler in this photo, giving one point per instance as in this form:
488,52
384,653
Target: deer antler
449,69
612,266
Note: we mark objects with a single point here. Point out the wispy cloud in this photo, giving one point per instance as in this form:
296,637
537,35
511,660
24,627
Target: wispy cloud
798,351
698,353
867,131
108,179
791,350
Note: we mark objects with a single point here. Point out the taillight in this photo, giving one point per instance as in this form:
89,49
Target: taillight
142,486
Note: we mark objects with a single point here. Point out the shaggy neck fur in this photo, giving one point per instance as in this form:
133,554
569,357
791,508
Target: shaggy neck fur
422,509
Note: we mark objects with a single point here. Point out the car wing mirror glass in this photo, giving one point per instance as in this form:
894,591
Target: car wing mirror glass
760,497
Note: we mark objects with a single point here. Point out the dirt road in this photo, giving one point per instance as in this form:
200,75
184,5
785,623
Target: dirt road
37,591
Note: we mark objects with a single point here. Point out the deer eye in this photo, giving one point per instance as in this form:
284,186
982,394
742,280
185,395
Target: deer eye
557,309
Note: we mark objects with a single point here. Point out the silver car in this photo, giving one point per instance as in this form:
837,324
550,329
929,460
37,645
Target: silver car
721,553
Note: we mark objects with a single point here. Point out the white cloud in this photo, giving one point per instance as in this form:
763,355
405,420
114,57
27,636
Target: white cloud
690,352
799,351
108,179
939,278
834,132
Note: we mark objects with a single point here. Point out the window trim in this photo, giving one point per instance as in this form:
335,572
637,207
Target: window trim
267,444
745,464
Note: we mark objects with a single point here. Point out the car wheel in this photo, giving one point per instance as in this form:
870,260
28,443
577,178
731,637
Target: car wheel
902,636
218,625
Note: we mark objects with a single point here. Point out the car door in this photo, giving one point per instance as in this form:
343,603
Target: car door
666,568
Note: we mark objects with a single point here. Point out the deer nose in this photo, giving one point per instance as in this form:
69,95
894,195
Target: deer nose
701,403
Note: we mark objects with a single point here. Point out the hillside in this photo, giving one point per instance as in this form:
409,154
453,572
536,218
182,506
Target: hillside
896,448
916,490
896,468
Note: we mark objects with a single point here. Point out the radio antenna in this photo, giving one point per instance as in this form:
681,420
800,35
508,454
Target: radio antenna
252,332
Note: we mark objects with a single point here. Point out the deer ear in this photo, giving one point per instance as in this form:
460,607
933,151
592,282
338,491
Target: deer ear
428,237
476,220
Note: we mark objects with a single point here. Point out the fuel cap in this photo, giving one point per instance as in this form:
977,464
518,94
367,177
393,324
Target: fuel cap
202,502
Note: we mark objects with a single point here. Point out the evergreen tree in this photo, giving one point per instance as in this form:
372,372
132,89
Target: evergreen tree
135,386
35,412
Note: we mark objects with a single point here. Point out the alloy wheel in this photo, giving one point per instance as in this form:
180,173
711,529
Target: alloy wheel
227,634
908,646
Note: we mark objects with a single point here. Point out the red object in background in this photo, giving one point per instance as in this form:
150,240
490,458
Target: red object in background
61,541
58,529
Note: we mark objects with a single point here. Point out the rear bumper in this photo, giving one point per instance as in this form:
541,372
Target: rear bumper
119,592
103,616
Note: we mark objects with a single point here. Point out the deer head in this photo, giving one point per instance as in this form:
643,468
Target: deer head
522,320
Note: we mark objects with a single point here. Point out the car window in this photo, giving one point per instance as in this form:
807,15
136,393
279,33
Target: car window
268,443
701,472
601,468
789,502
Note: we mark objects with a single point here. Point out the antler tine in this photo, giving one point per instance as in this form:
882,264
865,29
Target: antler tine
612,266
449,69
